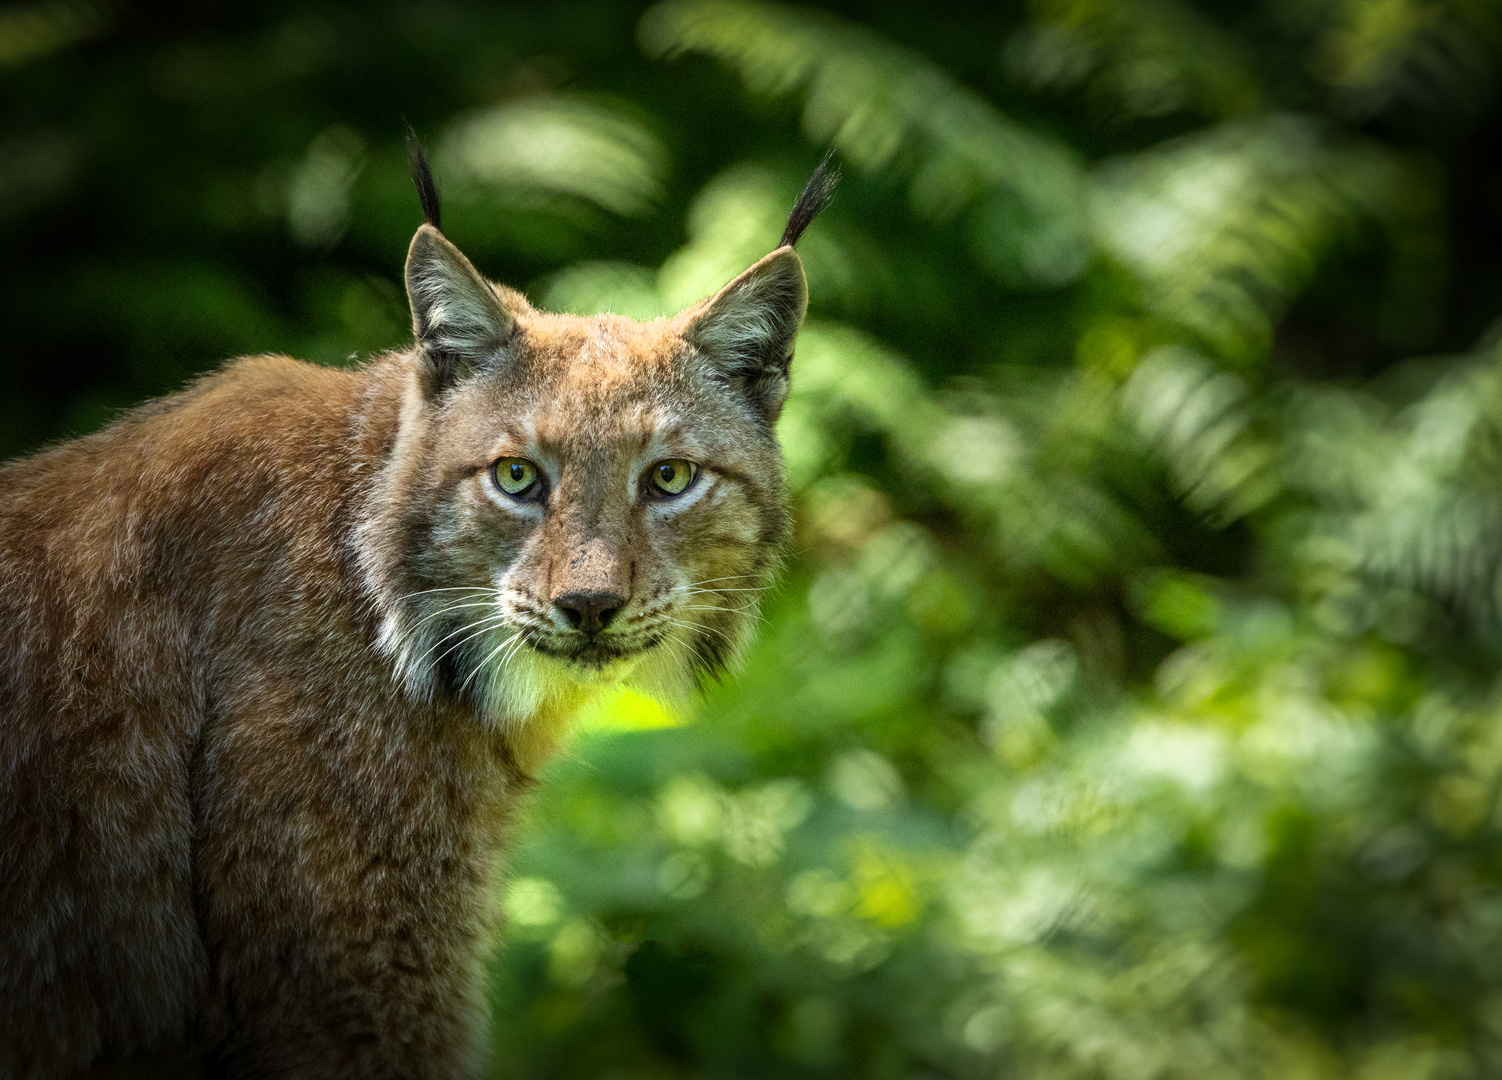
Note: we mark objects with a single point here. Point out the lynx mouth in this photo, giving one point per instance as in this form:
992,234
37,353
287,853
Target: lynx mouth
596,653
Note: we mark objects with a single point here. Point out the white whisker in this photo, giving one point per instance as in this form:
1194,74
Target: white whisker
669,642
689,646
710,581
511,654
485,626
455,588
450,608
481,665
701,626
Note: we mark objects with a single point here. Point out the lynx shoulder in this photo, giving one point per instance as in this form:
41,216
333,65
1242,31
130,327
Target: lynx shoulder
277,654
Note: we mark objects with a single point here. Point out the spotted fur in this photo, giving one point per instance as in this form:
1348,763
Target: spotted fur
277,657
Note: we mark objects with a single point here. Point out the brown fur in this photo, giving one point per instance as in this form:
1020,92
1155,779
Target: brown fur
255,772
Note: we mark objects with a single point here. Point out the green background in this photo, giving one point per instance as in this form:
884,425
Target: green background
1130,707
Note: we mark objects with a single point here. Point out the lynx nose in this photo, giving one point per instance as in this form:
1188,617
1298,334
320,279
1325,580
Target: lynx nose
589,611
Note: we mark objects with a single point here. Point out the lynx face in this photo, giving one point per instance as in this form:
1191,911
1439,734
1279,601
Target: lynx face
575,499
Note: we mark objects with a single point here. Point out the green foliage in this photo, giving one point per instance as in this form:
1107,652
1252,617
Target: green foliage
1130,709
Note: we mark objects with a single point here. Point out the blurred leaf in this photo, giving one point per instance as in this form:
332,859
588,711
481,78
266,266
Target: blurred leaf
1225,227
884,107
29,31
1146,58
557,145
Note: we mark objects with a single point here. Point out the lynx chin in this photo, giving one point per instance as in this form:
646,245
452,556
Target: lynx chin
278,654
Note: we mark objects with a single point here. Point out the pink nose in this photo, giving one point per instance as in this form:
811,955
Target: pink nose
589,611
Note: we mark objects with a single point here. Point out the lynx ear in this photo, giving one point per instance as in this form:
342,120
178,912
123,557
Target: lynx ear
457,317
746,331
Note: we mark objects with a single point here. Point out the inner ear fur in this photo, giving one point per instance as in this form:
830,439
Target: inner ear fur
458,319
745,332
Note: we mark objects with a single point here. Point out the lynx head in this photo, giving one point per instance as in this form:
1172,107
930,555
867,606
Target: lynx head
574,499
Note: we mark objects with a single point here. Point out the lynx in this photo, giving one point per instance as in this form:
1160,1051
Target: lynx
279,653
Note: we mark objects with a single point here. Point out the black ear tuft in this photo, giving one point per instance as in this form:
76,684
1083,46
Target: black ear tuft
422,176
815,197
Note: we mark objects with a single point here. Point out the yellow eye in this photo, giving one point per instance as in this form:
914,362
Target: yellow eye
672,477
515,476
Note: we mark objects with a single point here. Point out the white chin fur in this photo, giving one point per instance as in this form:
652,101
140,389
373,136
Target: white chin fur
530,680
513,694
510,694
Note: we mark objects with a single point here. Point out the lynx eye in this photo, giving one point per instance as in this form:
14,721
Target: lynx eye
672,477
517,477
